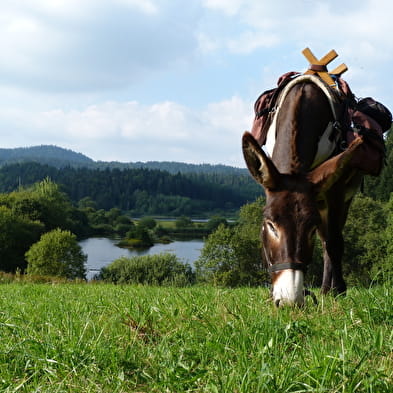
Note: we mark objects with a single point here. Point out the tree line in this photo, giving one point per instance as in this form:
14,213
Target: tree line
140,191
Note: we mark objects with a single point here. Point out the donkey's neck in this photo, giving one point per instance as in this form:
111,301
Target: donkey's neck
302,121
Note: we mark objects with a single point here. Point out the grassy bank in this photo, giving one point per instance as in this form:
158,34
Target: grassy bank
104,338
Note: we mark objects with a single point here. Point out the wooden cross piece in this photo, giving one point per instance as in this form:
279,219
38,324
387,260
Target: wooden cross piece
319,67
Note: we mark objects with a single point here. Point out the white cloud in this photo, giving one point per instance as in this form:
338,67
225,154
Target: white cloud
117,79
90,45
129,131
324,24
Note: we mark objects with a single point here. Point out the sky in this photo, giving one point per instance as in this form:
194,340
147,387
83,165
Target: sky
171,80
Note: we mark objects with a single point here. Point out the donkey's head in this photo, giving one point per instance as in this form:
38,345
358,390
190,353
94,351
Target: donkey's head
291,216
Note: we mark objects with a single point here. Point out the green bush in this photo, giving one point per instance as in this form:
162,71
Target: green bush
231,256
102,229
122,229
141,234
147,222
160,269
57,253
183,222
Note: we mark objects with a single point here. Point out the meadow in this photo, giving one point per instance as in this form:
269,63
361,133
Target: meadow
107,338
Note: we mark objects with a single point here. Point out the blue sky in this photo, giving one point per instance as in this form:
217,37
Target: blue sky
171,80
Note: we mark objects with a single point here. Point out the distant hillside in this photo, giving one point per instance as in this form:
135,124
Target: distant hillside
140,191
159,188
175,167
44,154
59,157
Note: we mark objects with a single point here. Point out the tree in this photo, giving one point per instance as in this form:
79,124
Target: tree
381,186
363,237
56,206
57,253
147,222
17,234
232,256
44,202
215,221
383,268
183,222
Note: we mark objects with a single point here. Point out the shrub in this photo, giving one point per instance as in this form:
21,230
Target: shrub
231,256
215,222
147,222
160,269
183,222
57,253
122,229
143,236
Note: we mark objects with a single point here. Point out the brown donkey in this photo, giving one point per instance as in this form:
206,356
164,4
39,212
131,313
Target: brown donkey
302,199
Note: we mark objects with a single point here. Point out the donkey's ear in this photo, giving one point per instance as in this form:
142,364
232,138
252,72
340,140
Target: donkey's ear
259,164
326,174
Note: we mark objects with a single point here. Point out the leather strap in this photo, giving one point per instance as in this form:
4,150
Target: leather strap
287,265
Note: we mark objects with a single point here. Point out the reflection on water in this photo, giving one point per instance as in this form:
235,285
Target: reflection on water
101,251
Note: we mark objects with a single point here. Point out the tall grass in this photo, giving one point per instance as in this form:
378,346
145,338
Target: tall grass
106,338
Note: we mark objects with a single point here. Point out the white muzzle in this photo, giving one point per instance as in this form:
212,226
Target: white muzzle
288,288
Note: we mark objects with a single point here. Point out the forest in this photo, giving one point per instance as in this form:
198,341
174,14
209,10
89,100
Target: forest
140,191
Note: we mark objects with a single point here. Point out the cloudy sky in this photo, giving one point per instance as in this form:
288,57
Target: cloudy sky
171,80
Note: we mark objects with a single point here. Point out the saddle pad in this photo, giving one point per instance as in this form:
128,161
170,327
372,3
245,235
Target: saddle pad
329,139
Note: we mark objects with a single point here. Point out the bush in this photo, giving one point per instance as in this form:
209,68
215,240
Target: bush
215,222
147,222
17,234
122,229
160,269
57,253
183,222
102,229
231,256
142,235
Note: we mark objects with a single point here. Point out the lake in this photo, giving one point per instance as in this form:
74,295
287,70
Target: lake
101,251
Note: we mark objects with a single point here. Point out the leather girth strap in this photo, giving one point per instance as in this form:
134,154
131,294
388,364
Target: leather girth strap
287,265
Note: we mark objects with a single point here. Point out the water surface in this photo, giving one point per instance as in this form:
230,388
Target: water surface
101,251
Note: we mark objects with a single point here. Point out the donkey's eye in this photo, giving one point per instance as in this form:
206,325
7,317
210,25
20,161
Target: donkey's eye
272,229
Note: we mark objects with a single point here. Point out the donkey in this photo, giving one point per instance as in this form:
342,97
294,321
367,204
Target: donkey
302,199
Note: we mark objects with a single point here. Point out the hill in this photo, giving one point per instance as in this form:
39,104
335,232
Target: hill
59,157
141,191
44,154
159,188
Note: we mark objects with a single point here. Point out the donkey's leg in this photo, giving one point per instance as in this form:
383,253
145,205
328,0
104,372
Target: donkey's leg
338,283
333,242
332,269
327,264
334,252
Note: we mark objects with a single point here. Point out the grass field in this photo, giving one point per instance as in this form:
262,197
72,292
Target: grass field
104,338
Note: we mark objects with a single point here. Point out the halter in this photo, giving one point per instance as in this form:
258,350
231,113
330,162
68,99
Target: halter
287,265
